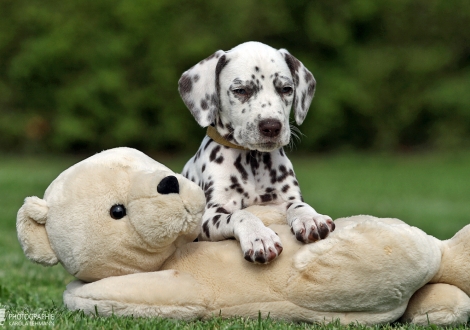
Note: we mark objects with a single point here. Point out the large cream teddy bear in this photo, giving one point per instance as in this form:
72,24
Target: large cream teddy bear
124,226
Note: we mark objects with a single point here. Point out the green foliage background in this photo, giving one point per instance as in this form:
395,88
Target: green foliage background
85,75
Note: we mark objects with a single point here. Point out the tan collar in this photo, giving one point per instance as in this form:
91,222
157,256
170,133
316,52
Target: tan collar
214,135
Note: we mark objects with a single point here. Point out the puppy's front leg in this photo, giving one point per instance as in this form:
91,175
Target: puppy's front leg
259,243
307,224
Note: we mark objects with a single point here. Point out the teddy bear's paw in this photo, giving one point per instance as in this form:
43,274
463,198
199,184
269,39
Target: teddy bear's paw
307,225
259,244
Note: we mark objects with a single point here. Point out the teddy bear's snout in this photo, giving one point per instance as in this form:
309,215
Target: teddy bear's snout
168,185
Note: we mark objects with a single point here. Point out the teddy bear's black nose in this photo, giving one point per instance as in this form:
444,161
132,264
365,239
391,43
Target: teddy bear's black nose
168,185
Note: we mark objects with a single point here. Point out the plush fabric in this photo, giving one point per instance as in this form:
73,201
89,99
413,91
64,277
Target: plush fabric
72,223
369,270
439,303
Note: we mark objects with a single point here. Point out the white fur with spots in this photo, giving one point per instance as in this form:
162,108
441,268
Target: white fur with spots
247,94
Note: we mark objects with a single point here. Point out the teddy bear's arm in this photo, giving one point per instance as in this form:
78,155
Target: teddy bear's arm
167,293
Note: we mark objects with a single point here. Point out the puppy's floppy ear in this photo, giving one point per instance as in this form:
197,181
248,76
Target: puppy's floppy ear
31,229
304,86
199,86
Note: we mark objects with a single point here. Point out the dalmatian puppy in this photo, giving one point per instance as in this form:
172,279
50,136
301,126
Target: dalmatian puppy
244,97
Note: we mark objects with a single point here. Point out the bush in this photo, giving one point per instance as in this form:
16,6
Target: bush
85,75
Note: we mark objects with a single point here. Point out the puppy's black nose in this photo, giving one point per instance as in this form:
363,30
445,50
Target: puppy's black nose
168,185
270,127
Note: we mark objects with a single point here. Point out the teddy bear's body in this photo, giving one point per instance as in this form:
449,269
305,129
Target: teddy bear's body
369,270
352,276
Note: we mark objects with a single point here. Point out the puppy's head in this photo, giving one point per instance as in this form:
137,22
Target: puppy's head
247,93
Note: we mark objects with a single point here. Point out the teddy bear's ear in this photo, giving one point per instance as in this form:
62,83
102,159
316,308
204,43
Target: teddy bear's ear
31,229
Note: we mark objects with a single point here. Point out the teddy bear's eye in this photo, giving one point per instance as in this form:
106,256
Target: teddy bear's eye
117,211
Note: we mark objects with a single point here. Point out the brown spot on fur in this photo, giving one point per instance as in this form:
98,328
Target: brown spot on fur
213,153
220,65
205,229
185,84
240,168
216,220
266,198
222,210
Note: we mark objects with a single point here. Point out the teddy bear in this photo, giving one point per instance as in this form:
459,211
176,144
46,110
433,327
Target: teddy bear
115,213
124,225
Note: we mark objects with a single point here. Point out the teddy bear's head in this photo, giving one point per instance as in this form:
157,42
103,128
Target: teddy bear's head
117,212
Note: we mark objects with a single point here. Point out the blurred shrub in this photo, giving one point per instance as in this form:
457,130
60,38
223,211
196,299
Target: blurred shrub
84,75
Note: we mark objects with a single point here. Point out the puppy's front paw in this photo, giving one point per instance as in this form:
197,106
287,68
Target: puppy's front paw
259,244
307,225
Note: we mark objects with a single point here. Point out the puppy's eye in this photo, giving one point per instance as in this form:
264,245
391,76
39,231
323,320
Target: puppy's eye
240,91
117,211
286,90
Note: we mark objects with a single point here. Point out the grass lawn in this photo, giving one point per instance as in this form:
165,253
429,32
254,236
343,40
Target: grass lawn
430,191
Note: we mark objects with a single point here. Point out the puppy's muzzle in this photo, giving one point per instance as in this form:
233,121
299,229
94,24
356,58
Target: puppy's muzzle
270,127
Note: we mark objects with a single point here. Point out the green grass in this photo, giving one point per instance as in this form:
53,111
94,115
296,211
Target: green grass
430,191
